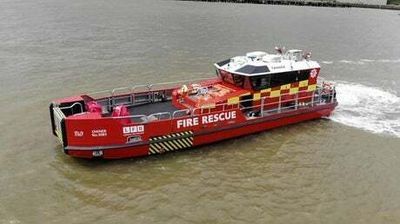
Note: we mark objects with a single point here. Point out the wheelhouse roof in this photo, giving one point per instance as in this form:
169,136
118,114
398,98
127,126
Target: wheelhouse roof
261,63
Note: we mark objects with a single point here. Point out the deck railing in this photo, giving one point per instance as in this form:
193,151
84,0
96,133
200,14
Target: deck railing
146,93
265,108
134,95
71,109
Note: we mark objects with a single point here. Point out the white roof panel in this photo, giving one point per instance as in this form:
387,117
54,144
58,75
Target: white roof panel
260,63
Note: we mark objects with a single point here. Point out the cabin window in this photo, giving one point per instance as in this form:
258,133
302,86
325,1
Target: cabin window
238,79
303,75
283,78
226,76
260,82
272,80
289,77
247,83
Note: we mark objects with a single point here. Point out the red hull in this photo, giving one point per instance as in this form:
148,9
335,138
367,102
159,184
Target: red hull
154,119
200,135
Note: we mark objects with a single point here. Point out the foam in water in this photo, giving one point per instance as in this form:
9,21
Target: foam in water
352,62
367,60
367,108
389,61
364,61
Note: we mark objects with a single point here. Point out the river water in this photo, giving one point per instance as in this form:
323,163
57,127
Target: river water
339,170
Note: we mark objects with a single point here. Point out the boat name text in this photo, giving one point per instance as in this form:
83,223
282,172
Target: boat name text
278,67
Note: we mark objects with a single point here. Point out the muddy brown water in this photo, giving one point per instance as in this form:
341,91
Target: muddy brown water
340,170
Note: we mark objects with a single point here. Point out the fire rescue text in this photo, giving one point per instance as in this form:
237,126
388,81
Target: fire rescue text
205,119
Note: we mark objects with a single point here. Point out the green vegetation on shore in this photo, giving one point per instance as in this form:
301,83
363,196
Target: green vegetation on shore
393,2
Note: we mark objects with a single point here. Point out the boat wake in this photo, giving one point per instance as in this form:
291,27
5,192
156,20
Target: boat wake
368,108
362,61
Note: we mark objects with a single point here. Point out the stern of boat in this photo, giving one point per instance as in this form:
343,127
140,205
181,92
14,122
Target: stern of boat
59,110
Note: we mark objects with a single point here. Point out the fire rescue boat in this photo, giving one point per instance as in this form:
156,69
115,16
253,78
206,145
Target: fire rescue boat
250,94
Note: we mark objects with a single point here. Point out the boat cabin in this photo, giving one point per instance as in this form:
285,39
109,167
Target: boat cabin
259,70
245,80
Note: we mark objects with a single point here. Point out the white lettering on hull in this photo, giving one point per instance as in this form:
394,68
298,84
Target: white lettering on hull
206,119
189,122
137,129
99,133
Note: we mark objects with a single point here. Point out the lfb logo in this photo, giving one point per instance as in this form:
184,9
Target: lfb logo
313,73
137,129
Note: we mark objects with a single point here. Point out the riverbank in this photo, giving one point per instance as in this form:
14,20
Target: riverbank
307,3
393,2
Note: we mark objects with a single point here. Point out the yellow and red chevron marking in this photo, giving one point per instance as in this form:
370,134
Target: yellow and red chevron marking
293,88
171,142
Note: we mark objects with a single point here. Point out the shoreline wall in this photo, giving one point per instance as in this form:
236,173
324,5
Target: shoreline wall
326,3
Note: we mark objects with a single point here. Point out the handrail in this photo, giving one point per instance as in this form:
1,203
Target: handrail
58,113
315,97
119,88
158,115
129,116
149,86
186,111
74,104
333,94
